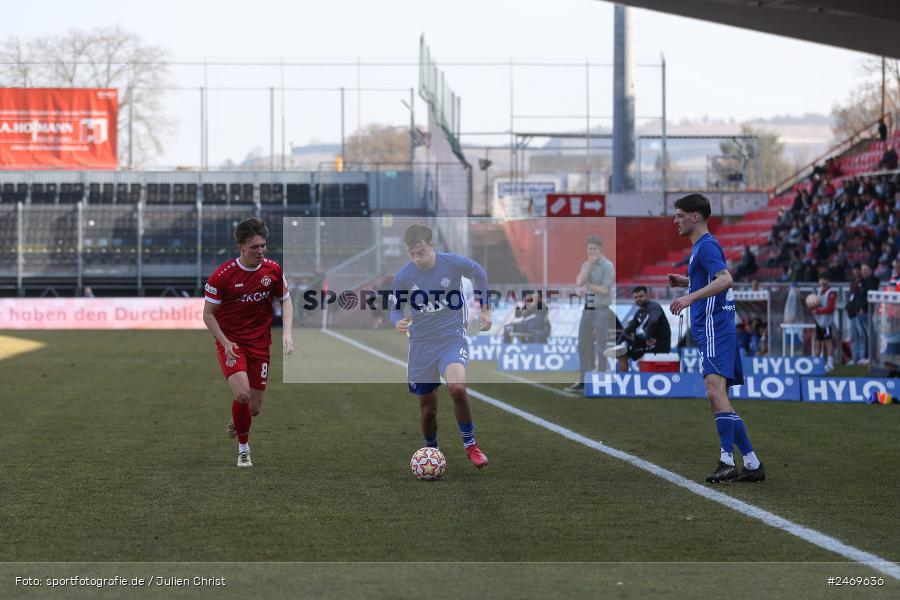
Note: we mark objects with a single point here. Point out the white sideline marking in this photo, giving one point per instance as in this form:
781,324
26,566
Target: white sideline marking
538,385
812,536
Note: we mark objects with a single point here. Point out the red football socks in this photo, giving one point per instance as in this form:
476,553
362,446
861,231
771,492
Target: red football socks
241,415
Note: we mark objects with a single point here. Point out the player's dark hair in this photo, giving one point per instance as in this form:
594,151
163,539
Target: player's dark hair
417,234
593,239
695,203
640,288
250,228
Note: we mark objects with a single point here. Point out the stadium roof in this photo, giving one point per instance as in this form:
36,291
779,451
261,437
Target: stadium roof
871,26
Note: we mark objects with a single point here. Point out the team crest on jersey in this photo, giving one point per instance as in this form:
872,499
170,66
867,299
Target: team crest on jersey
266,280
445,282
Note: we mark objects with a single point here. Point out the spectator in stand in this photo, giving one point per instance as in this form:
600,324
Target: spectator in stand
757,344
894,277
883,270
882,130
743,337
887,252
836,270
763,333
814,270
832,168
794,270
817,248
747,265
754,284
889,159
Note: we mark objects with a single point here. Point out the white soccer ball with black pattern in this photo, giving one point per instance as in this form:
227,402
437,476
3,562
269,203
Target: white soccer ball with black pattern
428,464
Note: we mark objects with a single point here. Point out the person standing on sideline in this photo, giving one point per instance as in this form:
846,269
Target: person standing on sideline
598,277
711,301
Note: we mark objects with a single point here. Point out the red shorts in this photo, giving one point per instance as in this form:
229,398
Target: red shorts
253,361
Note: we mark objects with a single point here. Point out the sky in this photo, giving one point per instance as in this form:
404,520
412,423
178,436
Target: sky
713,71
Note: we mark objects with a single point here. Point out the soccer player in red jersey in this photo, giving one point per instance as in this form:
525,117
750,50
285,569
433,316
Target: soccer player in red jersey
238,312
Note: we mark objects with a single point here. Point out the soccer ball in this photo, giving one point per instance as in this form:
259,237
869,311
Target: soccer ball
812,301
428,464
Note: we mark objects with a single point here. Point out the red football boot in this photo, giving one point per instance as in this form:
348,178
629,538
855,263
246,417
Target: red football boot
478,458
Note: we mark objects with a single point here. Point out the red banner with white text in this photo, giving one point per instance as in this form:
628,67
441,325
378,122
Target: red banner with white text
58,128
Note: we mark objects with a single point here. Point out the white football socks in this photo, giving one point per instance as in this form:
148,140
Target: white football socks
750,461
243,447
727,458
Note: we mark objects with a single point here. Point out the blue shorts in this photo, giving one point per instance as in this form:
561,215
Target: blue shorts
429,359
722,357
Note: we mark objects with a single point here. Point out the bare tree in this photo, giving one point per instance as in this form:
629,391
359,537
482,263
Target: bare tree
766,153
863,107
379,143
105,57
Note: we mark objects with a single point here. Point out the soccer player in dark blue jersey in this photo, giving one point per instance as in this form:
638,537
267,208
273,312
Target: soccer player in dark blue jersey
712,326
431,286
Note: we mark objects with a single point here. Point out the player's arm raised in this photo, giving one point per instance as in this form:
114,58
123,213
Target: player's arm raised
209,319
721,282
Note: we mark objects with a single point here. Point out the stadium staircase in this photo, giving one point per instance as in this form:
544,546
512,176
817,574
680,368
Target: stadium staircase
754,229
492,249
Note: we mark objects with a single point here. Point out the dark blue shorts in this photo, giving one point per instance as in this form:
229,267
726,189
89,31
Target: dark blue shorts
722,357
429,359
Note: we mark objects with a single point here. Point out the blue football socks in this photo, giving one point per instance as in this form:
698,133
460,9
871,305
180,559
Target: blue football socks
725,427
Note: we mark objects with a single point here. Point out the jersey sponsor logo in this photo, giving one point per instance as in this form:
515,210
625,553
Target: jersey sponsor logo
238,285
266,280
255,297
729,295
210,289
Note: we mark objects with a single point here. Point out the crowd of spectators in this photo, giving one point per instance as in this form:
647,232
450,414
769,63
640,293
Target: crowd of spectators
752,335
835,222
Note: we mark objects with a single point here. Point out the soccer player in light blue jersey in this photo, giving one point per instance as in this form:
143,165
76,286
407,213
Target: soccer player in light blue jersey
430,285
712,327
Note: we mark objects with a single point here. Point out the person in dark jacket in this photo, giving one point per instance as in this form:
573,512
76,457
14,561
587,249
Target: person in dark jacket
647,331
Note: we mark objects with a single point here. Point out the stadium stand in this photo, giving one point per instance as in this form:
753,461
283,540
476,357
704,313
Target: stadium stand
164,231
850,198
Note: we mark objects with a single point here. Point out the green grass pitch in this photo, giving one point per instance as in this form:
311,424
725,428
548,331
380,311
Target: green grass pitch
114,454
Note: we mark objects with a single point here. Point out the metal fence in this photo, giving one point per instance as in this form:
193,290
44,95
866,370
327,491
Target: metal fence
158,232
799,331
